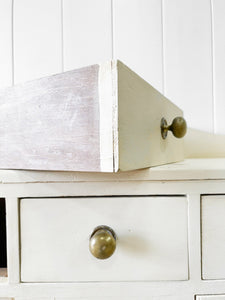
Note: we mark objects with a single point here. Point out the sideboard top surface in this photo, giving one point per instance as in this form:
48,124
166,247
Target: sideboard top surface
189,169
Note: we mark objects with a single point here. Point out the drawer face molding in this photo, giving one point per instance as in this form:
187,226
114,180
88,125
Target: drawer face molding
151,239
213,297
213,237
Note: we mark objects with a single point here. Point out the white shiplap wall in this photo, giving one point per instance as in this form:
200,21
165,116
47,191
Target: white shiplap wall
6,49
87,29
37,38
178,46
188,59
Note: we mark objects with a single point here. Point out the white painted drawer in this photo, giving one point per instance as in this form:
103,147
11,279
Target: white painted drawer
213,237
151,244
101,118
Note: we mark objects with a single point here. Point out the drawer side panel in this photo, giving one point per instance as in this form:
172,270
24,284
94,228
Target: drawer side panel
52,123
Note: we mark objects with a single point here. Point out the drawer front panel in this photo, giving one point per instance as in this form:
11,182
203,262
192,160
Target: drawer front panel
213,237
151,239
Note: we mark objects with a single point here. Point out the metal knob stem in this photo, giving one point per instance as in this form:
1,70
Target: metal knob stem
178,127
102,243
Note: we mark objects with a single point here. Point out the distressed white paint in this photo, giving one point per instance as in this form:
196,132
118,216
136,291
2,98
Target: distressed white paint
115,115
52,230
218,12
6,43
188,59
135,182
54,123
37,39
138,38
213,232
86,32
74,121
105,90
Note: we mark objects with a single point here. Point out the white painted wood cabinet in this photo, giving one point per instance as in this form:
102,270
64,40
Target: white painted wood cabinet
169,222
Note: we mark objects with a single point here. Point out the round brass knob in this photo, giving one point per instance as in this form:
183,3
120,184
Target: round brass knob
102,243
178,127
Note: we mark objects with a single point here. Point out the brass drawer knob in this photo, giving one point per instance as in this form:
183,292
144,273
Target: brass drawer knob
178,127
102,243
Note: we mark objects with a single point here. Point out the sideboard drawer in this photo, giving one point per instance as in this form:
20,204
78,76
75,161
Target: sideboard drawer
151,241
213,237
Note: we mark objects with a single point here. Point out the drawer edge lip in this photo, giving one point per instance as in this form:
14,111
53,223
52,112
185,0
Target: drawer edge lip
102,281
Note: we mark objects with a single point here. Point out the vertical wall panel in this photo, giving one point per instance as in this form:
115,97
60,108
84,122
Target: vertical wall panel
188,59
37,38
218,10
86,32
5,43
138,37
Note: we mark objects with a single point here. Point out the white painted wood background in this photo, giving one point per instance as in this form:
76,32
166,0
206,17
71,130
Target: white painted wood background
178,46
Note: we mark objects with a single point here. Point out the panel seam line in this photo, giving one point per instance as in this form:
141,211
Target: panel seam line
213,69
112,31
163,52
13,52
62,38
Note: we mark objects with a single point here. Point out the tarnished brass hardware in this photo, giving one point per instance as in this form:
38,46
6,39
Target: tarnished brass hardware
102,243
178,127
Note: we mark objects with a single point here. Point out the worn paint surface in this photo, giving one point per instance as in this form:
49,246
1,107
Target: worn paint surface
52,123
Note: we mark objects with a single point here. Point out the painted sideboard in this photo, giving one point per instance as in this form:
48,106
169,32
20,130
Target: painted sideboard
169,223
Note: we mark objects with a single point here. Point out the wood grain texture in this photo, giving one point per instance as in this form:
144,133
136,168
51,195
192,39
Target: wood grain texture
218,11
140,110
138,38
188,59
86,32
213,232
57,251
54,123
37,39
6,43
